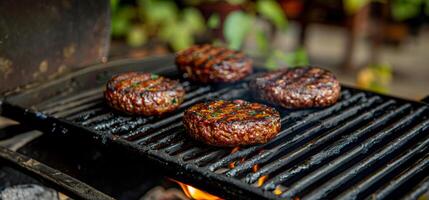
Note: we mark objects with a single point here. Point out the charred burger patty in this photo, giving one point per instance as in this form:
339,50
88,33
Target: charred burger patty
143,93
209,64
301,87
231,123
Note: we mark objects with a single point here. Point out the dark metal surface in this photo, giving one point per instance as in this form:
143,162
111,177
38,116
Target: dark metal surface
366,145
426,99
71,186
43,39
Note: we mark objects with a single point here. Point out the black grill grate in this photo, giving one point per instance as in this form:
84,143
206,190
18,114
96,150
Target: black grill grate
366,145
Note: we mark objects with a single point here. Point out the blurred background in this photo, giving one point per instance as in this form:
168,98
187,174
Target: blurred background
380,45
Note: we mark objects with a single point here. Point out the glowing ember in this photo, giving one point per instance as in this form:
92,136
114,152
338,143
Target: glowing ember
232,165
255,168
235,149
262,180
278,191
196,194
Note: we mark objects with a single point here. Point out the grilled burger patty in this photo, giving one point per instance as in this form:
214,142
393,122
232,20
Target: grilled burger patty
231,123
210,64
302,87
143,93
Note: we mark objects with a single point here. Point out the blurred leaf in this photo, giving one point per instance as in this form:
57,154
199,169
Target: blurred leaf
166,32
383,73
262,41
427,7
376,87
157,12
120,26
218,42
273,12
182,39
236,2
136,36
193,20
405,9
236,27
271,63
114,5
213,21
375,77
121,20
301,58
353,6
293,59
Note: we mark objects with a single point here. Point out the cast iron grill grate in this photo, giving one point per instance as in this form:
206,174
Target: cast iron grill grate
365,146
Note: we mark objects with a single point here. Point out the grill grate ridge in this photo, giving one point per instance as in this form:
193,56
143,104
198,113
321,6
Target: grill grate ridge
401,179
351,172
271,167
366,184
308,134
350,149
420,189
334,149
311,118
358,150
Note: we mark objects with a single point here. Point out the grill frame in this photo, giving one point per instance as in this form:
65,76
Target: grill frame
16,107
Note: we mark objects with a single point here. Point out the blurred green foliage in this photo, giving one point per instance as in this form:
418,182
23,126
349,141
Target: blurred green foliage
272,11
214,21
163,21
375,77
237,25
236,34
296,58
353,6
400,9
406,9
155,19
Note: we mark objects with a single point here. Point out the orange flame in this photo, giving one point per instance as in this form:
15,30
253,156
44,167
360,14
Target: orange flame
196,194
261,180
278,191
232,164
